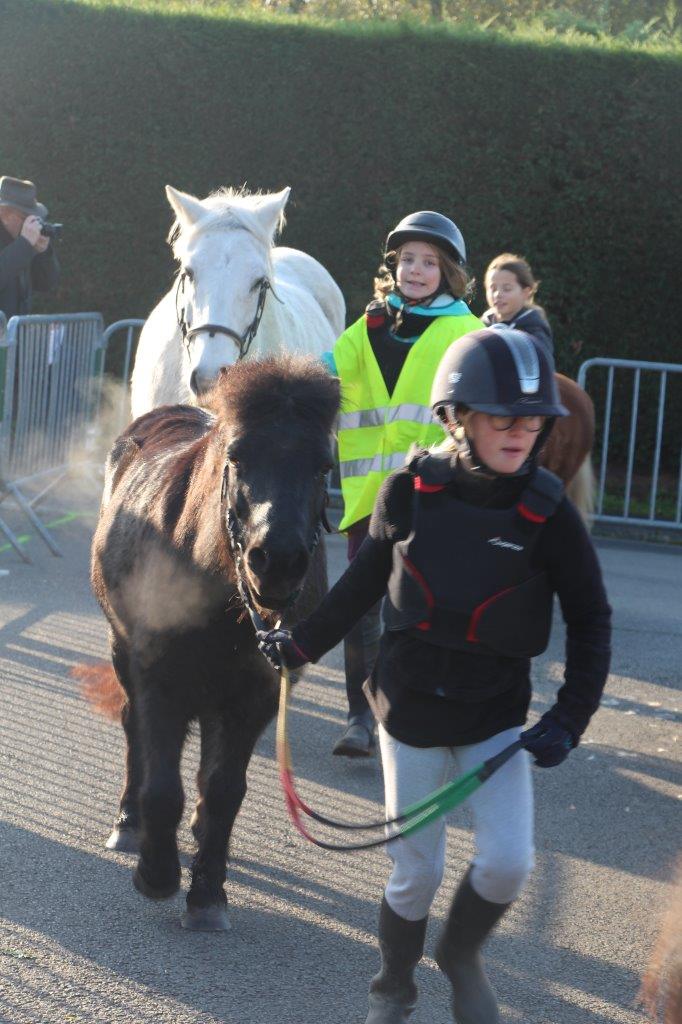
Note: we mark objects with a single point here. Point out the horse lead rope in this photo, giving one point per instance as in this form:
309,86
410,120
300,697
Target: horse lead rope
413,818
419,814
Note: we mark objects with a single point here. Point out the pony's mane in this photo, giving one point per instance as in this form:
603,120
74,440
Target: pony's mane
257,391
226,208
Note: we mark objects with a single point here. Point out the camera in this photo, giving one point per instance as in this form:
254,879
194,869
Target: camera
51,230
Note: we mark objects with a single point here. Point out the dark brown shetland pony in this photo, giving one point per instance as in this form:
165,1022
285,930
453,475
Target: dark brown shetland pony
163,571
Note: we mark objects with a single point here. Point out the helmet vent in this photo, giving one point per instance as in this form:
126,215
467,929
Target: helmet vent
526,360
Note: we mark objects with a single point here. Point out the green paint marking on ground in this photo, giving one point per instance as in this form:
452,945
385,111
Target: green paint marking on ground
68,517
16,954
24,539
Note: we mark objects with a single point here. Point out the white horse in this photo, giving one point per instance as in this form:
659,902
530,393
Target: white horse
236,295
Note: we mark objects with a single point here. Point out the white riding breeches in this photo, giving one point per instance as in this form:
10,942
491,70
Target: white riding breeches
503,821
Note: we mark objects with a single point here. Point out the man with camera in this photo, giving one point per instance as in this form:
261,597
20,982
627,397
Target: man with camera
27,259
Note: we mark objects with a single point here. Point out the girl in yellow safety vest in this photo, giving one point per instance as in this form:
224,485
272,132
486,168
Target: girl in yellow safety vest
387,361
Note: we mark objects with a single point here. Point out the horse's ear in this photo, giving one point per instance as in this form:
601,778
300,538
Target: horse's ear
271,211
188,209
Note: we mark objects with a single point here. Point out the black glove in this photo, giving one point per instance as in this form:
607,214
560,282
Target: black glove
279,648
549,742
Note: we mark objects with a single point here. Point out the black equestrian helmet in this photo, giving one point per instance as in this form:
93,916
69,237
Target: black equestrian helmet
503,372
428,226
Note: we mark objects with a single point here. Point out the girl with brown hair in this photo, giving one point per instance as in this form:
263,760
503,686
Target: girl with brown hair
510,289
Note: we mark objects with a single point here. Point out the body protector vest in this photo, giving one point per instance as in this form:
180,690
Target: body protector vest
463,577
376,429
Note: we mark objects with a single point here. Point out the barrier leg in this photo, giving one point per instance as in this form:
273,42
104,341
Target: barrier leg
14,541
30,515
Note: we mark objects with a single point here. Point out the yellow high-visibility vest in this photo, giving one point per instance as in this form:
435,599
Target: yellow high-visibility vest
376,429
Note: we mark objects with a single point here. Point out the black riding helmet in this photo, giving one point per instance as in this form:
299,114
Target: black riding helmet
428,226
500,371
503,372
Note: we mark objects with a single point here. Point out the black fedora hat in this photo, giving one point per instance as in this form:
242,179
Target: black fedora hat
21,195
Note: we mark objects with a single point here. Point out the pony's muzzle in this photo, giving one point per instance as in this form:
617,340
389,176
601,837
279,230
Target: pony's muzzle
277,572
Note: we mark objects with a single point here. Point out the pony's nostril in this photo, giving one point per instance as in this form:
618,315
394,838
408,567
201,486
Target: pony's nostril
258,561
289,564
193,384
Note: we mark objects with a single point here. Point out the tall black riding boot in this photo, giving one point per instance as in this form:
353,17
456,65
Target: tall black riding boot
393,992
470,921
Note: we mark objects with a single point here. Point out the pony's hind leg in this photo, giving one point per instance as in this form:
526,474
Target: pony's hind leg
225,756
162,727
124,834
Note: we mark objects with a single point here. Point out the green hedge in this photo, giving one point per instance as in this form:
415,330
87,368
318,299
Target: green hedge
569,155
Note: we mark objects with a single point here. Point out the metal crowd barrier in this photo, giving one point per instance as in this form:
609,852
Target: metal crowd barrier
636,368
132,328
52,382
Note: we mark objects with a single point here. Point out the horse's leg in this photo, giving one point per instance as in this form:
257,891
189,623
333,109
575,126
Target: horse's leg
162,725
124,836
228,750
210,737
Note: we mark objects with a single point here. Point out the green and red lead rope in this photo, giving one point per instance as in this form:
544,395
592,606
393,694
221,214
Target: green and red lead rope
414,817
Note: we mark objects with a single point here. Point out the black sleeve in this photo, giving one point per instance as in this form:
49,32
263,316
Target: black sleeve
575,576
364,581
45,270
536,324
14,258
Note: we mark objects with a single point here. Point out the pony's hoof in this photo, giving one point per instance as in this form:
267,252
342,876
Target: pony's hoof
153,892
206,919
125,840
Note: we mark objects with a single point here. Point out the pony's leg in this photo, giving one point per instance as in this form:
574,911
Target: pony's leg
124,837
162,726
210,738
224,786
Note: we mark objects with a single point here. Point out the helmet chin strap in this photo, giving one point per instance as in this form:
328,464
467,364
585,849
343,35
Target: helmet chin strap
469,457
407,304
442,287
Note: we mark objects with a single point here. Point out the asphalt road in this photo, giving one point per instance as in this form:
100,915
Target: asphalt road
78,943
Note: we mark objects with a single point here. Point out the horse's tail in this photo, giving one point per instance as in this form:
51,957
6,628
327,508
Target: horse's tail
101,689
581,490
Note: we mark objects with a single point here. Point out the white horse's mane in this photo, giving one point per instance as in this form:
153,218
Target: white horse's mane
226,208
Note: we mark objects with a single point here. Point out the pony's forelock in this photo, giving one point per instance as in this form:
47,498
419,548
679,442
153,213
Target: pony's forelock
290,386
225,208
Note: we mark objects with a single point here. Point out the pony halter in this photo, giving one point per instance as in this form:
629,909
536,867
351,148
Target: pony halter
234,534
243,340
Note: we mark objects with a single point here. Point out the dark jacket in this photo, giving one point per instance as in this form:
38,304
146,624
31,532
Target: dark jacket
413,712
530,319
22,270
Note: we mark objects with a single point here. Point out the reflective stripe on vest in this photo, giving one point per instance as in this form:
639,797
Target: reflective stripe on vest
388,414
376,429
